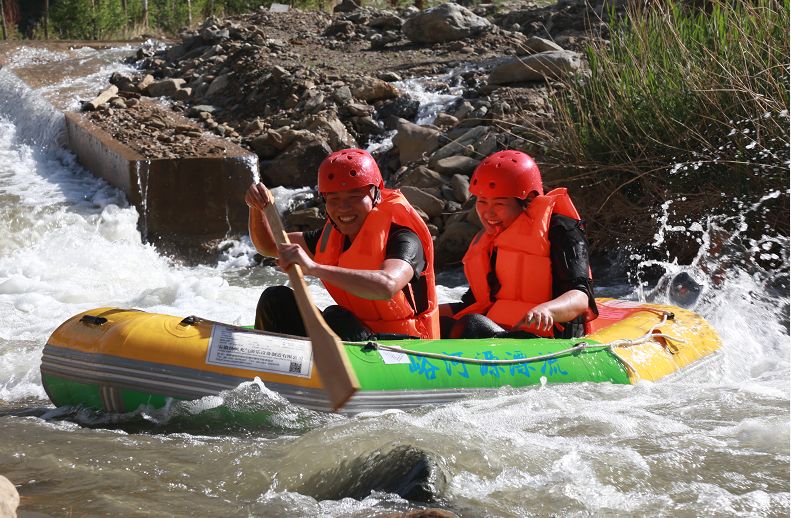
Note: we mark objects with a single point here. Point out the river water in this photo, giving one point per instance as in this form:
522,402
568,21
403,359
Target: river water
716,444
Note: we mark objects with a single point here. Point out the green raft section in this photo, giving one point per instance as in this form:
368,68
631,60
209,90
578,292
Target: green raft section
420,373
68,392
380,373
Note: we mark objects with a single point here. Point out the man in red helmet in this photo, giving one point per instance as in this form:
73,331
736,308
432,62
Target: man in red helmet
374,255
528,268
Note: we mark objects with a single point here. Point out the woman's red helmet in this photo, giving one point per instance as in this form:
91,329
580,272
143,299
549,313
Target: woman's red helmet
348,169
506,174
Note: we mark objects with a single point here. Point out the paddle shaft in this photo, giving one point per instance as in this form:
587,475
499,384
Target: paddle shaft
338,378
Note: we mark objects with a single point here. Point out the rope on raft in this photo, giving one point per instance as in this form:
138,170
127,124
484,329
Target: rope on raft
650,335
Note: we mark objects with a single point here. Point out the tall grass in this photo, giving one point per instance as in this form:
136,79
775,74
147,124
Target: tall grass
671,76
681,99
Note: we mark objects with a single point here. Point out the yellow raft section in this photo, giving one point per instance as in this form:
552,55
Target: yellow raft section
690,339
165,340
157,338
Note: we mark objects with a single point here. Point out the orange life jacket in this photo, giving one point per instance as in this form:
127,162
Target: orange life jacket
523,263
367,252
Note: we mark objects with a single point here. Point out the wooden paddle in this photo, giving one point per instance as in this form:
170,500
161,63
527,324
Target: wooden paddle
338,378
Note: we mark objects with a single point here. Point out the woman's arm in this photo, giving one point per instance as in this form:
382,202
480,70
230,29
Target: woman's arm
564,308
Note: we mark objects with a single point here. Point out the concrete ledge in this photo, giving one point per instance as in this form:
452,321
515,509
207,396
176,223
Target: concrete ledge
186,204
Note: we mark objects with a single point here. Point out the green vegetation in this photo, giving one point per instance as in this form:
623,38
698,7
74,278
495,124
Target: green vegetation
673,80
683,102
114,19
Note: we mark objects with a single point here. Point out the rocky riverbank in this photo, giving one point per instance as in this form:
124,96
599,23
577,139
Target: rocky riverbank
293,86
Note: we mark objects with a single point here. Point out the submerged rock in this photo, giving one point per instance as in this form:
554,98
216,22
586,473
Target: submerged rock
406,471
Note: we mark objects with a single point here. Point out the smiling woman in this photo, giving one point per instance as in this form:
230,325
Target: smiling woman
528,269
374,255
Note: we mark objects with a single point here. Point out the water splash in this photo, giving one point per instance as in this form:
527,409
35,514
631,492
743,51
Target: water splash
37,123
142,170
248,409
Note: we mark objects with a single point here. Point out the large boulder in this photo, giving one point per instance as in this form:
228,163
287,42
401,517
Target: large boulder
446,22
218,85
371,89
413,141
386,21
538,67
332,129
422,176
460,185
459,145
298,165
165,87
305,219
402,107
420,198
535,45
456,165
454,241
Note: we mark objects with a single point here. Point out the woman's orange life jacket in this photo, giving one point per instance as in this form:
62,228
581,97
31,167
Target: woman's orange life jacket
367,252
523,264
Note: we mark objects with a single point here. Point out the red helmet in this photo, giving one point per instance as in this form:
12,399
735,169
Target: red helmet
506,174
348,169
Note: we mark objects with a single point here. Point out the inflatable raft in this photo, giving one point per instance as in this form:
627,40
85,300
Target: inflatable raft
116,360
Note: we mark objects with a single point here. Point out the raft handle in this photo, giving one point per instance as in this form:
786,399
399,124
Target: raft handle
370,346
189,321
93,320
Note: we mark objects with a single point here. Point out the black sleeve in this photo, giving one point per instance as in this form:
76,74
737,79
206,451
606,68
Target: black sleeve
568,250
467,299
311,238
404,244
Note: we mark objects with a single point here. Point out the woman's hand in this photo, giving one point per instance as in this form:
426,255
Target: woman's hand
561,309
292,253
540,317
257,196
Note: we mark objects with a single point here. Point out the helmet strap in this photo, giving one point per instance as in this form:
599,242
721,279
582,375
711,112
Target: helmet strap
324,211
376,195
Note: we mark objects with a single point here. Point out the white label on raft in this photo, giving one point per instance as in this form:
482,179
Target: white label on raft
391,357
259,352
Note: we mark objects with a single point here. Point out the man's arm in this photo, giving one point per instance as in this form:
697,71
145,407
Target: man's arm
404,262
379,284
257,198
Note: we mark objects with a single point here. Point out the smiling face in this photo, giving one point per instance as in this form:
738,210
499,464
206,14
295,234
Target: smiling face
497,214
348,209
